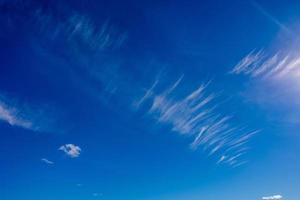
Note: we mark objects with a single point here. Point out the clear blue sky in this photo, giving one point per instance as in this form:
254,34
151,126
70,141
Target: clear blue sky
149,100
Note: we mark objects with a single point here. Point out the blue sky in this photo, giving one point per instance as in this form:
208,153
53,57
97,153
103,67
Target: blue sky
149,100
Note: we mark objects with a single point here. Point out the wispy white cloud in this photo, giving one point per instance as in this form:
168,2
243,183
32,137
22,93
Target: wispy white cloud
74,28
88,49
79,31
91,47
249,63
11,115
260,64
274,197
26,115
196,116
148,94
274,81
71,150
45,160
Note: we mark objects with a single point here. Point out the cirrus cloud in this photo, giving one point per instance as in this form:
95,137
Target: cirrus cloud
196,115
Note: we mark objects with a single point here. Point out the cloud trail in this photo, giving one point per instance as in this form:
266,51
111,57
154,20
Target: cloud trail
196,116
259,64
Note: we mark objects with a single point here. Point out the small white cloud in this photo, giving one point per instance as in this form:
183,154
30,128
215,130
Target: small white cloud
71,150
274,197
47,161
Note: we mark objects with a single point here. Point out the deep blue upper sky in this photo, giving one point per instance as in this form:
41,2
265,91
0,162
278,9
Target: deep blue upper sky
149,100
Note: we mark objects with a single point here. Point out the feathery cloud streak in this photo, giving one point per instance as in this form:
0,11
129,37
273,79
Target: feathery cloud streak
275,80
62,24
275,66
196,116
79,31
73,44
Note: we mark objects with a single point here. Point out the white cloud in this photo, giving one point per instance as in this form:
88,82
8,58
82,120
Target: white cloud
248,63
45,160
71,150
274,81
28,116
265,65
196,116
148,94
274,197
77,30
11,114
